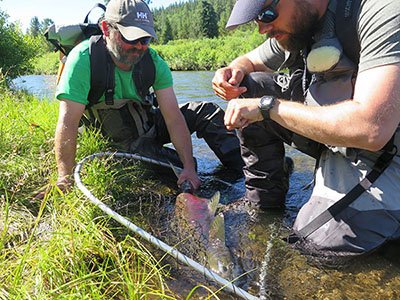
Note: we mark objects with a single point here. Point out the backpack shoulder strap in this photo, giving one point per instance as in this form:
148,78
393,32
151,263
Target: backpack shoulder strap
144,74
101,71
346,27
102,68
102,6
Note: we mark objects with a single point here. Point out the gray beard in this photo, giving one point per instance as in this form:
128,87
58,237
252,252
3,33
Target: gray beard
122,56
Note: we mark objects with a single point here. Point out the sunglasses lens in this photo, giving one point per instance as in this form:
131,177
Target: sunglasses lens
145,41
267,16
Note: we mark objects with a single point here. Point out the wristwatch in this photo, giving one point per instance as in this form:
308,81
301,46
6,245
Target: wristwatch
265,105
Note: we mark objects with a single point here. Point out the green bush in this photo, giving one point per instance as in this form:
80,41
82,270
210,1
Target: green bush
16,49
46,64
207,54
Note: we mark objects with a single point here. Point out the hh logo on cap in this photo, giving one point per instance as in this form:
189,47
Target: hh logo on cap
141,15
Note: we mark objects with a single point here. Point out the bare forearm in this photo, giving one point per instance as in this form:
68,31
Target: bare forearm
66,136
180,138
243,64
339,125
65,148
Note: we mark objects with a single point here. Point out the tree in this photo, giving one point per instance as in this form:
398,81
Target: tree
166,31
35,27
208,20
45,24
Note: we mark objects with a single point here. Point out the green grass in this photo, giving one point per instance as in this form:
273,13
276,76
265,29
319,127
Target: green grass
63,247
46,64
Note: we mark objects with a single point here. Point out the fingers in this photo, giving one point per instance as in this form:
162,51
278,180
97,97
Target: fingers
236,78
226,83
241,112
46,190
190,176
234,116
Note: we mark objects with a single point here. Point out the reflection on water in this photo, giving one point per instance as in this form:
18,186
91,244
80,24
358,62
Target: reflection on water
255,238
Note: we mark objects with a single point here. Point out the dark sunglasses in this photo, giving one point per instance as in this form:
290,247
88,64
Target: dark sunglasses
268,14
144,40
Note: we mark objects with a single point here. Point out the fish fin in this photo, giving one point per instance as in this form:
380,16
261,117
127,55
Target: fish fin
213,203
175,170
217,228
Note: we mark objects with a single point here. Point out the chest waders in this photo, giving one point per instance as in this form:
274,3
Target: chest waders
122,120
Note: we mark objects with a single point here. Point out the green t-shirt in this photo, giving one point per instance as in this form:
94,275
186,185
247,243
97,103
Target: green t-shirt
75,80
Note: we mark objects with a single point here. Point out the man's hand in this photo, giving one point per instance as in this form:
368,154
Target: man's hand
189,175
242,112
226,83
64,184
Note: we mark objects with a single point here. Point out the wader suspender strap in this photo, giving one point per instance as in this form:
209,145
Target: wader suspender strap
346,27
390,150
144,74
102,76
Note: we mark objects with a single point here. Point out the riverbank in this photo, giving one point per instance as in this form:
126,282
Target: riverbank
182,55
63,246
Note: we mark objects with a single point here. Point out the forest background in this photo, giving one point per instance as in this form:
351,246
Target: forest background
192,36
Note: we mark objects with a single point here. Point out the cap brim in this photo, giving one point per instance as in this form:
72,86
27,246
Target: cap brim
136,32
243,12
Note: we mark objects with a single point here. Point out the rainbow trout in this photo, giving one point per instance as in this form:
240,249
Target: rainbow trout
196,216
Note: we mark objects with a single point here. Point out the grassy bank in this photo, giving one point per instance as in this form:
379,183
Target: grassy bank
184,55
63,247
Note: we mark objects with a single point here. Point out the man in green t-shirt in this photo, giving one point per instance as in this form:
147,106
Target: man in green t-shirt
127,30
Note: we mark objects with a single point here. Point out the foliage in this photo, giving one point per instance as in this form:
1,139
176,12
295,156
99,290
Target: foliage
208,20
207,54
16,49
37,29
166,32
196,19
46,64
60,247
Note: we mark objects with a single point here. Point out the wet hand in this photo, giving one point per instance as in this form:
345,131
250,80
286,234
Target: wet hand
242,112
226,83
189,175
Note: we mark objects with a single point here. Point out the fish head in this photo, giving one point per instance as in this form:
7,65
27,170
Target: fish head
219,257
220,261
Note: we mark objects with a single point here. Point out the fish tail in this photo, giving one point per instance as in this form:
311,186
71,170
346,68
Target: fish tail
213,203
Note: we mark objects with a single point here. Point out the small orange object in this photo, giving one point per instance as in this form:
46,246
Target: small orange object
33,125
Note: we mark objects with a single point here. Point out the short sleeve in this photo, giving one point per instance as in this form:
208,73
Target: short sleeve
75,80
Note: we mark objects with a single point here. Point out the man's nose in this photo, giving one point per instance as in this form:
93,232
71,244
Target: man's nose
264,28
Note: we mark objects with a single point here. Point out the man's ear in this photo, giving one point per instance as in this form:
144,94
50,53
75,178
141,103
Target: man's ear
105,28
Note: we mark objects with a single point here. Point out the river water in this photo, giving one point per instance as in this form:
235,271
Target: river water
273,268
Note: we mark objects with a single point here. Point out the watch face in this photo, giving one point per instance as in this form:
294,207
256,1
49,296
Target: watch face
266,103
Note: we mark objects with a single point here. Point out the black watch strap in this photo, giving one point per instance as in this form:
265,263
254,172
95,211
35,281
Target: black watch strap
265,105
